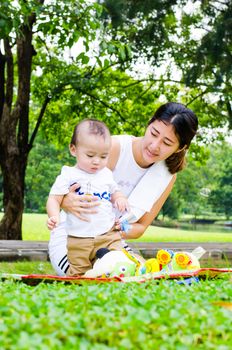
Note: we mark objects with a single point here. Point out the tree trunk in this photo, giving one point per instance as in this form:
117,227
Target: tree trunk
14,129
13,173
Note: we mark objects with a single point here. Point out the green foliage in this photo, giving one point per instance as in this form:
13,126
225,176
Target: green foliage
110,38
68,24
69,84
205,62
193,44
155,315
219,178
211,58
171,207
146,25
221,196
44,165
124,103
188,187
191,192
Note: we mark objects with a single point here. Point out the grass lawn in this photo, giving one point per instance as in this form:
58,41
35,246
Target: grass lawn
163,234
114,316
162,315
34,228
27,267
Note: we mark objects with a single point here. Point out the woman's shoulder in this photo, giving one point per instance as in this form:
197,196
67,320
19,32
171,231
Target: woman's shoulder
118,144
114,152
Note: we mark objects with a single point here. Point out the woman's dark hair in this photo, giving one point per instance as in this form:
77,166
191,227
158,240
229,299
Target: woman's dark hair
185,125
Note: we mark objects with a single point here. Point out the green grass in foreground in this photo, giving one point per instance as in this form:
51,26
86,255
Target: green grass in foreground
115,316
34,228
159,315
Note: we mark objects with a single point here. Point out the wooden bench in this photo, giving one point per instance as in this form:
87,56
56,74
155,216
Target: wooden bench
217,253
23,250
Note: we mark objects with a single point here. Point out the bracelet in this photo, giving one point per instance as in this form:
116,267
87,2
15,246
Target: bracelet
125,226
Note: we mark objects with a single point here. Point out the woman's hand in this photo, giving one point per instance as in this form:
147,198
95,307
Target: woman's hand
80,206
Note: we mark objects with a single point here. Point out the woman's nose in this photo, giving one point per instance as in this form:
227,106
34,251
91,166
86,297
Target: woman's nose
155,145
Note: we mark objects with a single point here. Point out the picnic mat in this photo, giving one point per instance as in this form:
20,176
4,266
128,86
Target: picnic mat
204,273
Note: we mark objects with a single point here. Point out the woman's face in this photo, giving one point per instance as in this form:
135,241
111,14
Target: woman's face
159,142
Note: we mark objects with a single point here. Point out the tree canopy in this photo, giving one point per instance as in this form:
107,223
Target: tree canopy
45,85
193,41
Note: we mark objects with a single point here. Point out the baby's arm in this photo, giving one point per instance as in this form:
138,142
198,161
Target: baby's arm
53,210
120,201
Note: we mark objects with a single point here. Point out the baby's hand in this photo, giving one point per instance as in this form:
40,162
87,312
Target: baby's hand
52,222
121,203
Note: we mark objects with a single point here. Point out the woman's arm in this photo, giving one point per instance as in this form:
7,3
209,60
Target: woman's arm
139,227
114,153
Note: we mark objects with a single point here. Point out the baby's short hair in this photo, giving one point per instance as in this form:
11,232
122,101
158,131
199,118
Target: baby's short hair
95,127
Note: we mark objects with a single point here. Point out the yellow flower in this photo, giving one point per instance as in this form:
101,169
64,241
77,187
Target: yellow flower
164,257
182,259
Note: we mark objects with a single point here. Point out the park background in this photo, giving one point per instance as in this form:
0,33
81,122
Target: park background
62,61
115,61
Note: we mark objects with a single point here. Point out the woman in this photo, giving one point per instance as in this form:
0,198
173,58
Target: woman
145,169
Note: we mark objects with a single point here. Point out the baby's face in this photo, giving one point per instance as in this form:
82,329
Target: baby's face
92,152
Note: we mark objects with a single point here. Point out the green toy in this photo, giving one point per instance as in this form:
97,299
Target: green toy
113,263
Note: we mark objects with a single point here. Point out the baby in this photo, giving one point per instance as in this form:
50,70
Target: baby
90,144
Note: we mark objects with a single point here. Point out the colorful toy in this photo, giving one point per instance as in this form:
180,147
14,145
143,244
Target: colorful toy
113,263
124,264
177,261
151,265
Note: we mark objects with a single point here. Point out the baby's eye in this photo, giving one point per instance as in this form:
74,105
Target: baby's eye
90,155
103,157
